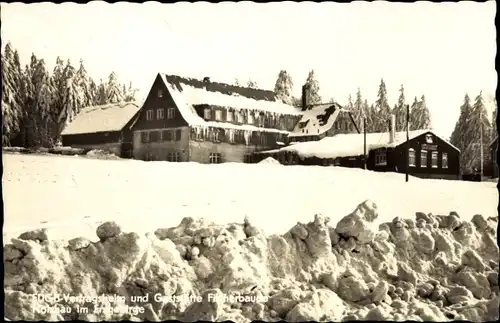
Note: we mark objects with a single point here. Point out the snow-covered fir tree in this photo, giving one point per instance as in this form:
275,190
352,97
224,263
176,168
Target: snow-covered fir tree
312,93
129,93
83,81
357,110
101,97
11,96
461,136
480,127
252,84
420,117
383,109
284,87
400,110
42,101
72,97
237,82
414,114
113,92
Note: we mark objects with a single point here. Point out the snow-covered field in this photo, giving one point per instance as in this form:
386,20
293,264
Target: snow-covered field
72,195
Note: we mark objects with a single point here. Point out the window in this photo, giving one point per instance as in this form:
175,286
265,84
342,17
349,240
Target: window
239,116
434,159
218,115
282,123
144,137
251,119
381,157
444,160
229,116
207,114
160,93
154,136
290,124
170,113
178,134
215,134
411,157
215,158
167,135
263,139
261,120
149,115
423,158
174,157
160,114
230,136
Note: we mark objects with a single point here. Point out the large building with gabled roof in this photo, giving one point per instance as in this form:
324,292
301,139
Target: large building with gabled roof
186,119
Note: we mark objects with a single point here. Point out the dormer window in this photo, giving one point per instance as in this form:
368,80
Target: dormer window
240,117
229,116
207,114
218,115
250,118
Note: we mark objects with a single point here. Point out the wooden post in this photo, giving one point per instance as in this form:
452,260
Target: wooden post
364,142
407,142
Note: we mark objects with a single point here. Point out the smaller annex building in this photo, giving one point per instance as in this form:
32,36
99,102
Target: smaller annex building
429,156
106,127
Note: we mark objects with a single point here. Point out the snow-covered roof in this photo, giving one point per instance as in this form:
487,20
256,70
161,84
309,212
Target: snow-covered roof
109,117
346,145
317,120
188,92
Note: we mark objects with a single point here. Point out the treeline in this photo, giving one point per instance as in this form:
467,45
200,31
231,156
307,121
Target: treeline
377,114
472,125
36,104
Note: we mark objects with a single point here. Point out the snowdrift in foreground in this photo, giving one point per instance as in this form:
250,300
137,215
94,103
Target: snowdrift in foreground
269,160
101,154
434,268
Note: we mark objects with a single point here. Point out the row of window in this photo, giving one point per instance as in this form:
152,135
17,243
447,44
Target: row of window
170,156
160,136
235,136
423,159
260,120
381,158
215,158
160,114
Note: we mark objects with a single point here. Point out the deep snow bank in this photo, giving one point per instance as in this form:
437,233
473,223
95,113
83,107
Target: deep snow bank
432,268
101,154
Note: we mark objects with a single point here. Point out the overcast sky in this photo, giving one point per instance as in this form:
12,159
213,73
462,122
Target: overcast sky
441,50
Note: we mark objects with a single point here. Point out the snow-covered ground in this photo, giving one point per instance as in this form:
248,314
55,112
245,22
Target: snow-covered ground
72,195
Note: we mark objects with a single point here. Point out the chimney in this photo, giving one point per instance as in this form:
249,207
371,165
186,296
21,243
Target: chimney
392,129
206,79
305,89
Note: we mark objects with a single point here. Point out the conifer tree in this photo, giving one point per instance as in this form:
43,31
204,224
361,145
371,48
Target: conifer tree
312,84
284,87
382,108
400,111
461,136
113,91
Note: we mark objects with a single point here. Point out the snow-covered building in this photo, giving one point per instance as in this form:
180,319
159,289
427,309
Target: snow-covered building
429,156
107,127
185,119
